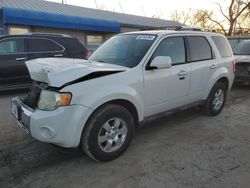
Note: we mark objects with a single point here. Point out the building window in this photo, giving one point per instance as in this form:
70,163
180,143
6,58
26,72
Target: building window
94,41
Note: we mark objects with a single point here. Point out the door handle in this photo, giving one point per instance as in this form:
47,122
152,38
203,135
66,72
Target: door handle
213,66
182,73
58,55
20,58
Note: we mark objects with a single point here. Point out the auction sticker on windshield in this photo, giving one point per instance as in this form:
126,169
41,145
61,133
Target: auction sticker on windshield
145,37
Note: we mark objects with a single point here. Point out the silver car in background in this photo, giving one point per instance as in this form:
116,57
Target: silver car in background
242,57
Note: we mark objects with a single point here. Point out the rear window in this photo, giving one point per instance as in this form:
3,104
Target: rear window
43,45
243,48
222,46
200,49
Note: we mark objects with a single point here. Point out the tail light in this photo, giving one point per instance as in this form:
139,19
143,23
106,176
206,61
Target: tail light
234,66
87,53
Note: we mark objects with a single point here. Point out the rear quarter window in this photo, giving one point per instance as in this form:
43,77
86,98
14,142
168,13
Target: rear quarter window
199,48
73,45
222,45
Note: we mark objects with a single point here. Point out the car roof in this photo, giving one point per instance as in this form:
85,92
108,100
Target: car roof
244,41
49,35
166,32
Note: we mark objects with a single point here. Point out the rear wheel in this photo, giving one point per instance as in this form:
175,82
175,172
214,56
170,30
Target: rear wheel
216,99
108,132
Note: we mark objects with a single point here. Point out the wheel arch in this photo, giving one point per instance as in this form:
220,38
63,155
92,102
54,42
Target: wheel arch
219,76
124,103
224,80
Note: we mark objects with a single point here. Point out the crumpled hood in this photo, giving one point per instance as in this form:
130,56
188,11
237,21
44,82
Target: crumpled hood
242,58
56,72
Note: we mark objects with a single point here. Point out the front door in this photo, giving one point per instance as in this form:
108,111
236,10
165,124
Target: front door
168,88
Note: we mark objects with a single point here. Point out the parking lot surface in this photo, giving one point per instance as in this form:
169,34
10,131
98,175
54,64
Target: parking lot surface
187,149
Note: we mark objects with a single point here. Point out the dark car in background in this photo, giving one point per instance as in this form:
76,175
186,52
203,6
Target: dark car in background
16,49
242,57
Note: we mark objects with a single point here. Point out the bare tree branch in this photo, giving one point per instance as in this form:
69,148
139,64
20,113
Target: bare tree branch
223,12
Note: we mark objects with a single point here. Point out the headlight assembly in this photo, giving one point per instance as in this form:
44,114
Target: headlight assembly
50,100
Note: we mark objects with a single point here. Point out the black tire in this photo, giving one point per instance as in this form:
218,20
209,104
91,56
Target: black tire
95,125
209,107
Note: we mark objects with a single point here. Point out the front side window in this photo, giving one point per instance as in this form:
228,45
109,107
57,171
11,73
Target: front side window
222,46
200,49
124,50
43,45
173,47
15,45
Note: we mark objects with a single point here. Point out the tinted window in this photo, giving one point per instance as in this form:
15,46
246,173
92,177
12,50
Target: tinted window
172,47
15,45
43,45
222,46
73,45
199,48
124,50
243,48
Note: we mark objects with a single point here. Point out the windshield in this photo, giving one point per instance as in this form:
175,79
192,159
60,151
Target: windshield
124,50
242,49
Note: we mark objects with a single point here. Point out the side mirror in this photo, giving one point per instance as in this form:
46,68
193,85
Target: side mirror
161,62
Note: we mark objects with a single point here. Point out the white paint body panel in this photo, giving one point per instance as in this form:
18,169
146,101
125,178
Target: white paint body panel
150,91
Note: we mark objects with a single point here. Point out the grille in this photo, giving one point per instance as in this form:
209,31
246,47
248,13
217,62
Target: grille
32,98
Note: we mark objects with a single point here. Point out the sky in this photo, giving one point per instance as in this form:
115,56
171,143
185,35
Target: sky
149,8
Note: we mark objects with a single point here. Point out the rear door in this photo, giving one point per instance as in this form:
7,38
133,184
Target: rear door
13,70
203,66
43,47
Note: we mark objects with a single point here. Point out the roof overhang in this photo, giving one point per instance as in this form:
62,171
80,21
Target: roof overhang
44,19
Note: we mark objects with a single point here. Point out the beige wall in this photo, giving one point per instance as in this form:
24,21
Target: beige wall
18,30
81,35
128,29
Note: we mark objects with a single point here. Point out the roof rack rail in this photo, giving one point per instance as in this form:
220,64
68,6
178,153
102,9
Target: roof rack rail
46,34
181,28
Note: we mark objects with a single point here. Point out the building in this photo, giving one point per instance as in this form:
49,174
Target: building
90,26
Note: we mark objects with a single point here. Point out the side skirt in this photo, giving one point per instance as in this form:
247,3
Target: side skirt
169,112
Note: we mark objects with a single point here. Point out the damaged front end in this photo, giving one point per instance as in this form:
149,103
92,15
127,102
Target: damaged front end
32,98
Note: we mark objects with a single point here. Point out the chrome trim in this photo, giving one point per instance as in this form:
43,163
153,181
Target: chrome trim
20,58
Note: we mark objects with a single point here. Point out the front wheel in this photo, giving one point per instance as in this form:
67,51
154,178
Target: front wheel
216,99
108,132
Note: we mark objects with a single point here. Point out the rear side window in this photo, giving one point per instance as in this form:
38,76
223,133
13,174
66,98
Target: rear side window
74,45
43,45
222,46
14,45
200,49
173,47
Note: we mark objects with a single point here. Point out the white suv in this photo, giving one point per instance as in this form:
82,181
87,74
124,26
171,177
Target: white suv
96,104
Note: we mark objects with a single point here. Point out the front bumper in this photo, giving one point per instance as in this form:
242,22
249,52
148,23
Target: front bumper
62,126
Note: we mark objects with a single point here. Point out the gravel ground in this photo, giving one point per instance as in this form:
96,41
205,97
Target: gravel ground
187,149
